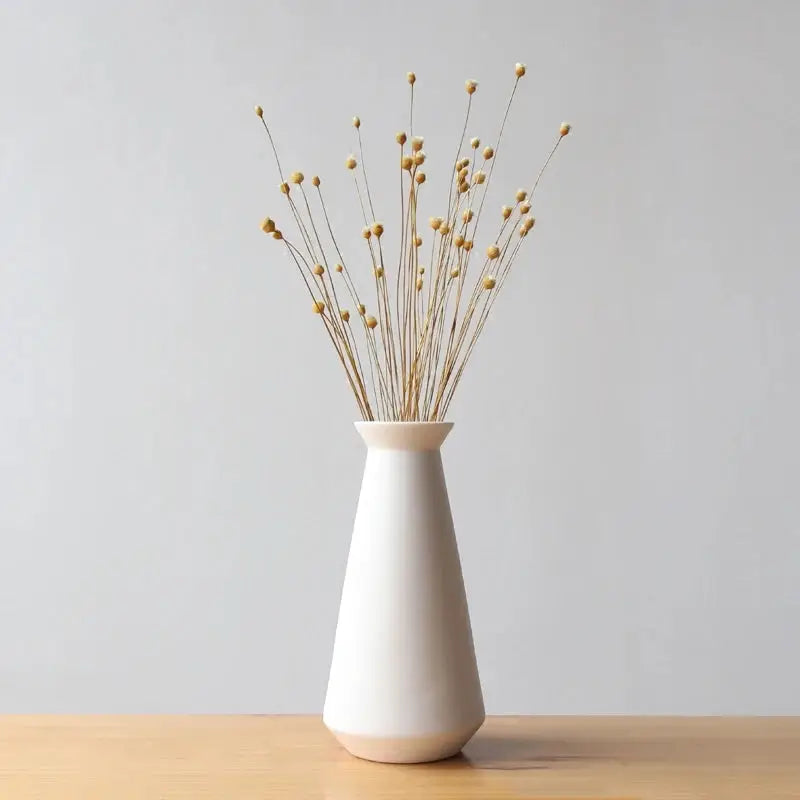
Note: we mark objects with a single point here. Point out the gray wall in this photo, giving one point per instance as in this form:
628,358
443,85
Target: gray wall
178,471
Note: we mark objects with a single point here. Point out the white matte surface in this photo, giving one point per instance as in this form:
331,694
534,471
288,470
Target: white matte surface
403,670
178,467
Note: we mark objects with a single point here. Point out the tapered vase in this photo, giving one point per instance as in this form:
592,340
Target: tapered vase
404,683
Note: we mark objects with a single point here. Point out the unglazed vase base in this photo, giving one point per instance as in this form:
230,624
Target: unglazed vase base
405,749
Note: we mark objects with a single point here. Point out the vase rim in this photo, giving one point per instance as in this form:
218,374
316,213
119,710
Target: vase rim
403,435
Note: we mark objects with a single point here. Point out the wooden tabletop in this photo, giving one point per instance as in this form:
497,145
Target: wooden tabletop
232,758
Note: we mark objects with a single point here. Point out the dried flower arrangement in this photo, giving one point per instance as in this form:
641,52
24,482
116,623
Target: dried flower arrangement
427,331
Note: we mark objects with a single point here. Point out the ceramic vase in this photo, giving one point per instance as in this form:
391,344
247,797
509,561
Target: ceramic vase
403,684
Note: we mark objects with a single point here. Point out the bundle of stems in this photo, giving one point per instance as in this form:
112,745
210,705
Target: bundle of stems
405,353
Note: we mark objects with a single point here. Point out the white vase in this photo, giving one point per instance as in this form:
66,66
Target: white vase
404,683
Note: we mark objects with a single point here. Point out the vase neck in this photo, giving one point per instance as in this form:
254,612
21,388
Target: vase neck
404,435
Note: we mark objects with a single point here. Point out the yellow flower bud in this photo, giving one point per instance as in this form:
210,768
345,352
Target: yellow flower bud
444,229
521,195
315,180
350,162
411,78
524,208
475,143
462,174
285,188
366,233
400,138
519,70
378,272
406,162
467,215
479,176
463,163
489,282
565,128
468,245
488,152
463,187
377,229
371,322
435,222
454,273
419,157
492,251
267,225
297,177
338,267
318,269
259,111
362,309
345,315
276,234
471,86
417,241
318,307
356,122
506,211
458,240
421,270
420,177
419,284
416,143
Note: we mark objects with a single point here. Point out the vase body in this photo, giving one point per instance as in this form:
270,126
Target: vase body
404,683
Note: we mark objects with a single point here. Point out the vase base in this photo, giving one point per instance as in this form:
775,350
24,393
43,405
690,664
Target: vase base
405,749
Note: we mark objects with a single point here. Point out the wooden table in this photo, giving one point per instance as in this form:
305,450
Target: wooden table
232,758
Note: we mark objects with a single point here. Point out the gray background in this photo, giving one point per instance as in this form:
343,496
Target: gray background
178,471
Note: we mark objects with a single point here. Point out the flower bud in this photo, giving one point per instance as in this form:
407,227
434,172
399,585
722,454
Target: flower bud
524,208
366,233
489,282
276,234
406,162
479,176
420,177
378,272
356,122
416,143
362,309
471,86
285,188
492,251
521,195
488,152
467,215
318,307
454,273
315,180
519,69
411,78
371,322
377,229
297,177
338,267
318,269
259,111
565,128
345,315
417,241
400,138
435,222
475,143
267,225
350,162
419,284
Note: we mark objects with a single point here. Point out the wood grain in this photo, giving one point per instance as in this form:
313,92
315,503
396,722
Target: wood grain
233,758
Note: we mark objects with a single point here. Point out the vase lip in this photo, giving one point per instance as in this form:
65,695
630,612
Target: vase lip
398,435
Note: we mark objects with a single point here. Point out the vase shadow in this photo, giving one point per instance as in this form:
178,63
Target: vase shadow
520,752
